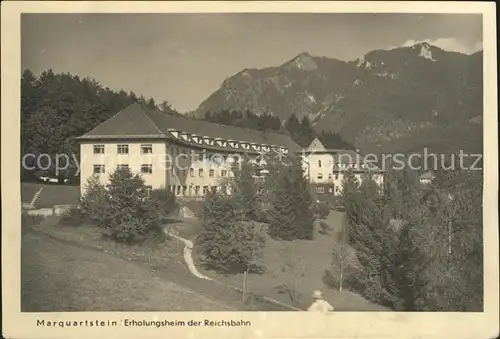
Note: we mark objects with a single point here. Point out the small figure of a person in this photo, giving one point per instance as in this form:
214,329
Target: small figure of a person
319,304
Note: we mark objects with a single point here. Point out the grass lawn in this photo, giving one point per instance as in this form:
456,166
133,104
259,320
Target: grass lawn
58,195
51,195
162,261
61,277
187,228
28,190
309,259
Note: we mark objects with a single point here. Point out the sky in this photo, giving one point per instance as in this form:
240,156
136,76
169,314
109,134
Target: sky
183,58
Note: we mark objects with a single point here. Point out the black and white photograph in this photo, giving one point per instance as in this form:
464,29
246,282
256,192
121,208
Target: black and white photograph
312,162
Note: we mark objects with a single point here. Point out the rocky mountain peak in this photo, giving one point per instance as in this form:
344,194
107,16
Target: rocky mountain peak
425,50
303,61
385,98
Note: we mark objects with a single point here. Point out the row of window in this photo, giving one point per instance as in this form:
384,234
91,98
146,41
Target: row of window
226,143
124,149
196,189
148,149
211,173
320,176
148,169
342,165
321,189
145,168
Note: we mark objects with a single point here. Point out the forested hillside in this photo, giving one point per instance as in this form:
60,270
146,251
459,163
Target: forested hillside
56,108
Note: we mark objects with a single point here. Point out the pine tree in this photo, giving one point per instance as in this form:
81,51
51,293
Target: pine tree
130,214
227,243
245,188
393,195
349,191
291,214
302,199
281,212
408,268
373,240
165,107
151,103
307,132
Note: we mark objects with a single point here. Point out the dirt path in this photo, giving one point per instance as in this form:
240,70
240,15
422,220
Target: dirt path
62,277
188,256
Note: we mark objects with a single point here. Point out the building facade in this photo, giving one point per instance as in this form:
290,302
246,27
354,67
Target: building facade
325,168
187,156
191,157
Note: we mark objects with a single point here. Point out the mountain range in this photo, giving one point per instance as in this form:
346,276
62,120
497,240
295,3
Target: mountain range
398,100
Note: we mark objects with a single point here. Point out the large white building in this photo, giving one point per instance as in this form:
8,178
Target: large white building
325,168
189,156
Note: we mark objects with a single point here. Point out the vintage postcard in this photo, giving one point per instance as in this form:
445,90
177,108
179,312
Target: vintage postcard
249,169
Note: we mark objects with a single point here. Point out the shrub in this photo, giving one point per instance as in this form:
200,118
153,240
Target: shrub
324,227
94,202
164,201
124,208
73,217
227,243
261,216
323,209
130,214
30,220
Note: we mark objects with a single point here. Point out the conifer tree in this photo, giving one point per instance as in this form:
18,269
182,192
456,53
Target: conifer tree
245,188
227,242
350,188
302,199
291,214
282,218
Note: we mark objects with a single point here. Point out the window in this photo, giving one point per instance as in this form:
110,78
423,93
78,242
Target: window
122,166
319,163
320,189
223,173
200,157
184,190
178,190
336,176
191,172
329,175
200,172
98,149
98,169
122,149
197,190
146,149
320,176
147,168
205,189
330,190
211,173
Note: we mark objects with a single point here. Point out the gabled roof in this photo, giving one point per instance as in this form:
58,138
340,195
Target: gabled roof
129,122
316,145
139,121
